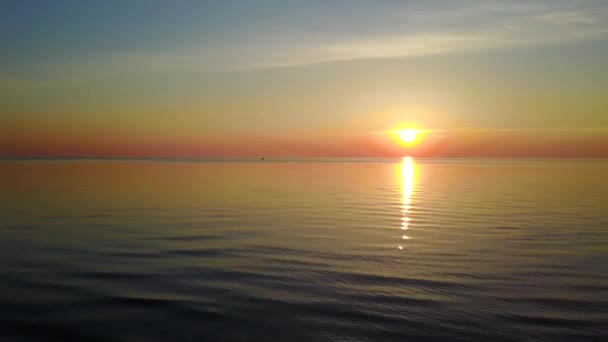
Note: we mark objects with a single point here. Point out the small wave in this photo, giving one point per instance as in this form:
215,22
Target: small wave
206,253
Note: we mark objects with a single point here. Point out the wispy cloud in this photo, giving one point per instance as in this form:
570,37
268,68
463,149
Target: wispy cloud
568,18
571,130
489,25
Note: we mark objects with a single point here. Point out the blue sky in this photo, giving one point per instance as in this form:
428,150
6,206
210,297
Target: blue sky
228,35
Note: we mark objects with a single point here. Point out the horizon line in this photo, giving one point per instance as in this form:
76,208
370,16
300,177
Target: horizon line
271,158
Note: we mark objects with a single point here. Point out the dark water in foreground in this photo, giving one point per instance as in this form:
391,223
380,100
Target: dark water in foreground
366,250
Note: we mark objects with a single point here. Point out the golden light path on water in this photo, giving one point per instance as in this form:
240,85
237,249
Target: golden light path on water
407,178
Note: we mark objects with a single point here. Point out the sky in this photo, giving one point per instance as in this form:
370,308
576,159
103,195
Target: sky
303,78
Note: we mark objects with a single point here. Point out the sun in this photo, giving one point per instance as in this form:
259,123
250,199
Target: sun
408,136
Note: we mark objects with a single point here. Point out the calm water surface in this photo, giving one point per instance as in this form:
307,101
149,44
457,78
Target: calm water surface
316,250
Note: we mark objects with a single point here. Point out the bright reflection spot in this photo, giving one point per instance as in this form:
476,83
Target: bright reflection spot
407,178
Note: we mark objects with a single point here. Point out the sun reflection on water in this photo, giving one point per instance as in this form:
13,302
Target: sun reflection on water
408,179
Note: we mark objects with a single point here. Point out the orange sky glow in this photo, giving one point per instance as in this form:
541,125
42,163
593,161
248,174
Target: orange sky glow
481,80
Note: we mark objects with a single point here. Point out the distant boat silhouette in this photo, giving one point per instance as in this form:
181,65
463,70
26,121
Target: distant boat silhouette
262,158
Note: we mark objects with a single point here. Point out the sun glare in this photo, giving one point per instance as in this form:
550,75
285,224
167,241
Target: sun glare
408,136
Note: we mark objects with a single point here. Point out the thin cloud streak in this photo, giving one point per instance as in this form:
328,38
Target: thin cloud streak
500,130
566,18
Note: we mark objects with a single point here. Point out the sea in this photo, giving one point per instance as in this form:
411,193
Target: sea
279,249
